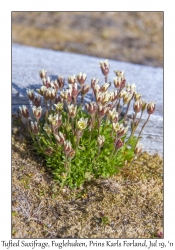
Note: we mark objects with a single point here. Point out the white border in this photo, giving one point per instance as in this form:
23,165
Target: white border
5,94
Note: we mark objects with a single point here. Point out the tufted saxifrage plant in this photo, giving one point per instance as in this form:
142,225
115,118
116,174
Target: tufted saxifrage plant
84,141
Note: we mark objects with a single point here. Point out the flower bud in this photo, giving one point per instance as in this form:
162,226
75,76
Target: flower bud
144,105
60,138
138,148
122,131
119,82
104,87
91,107
131,88
118,143
71,154
85,89
30,93
24,111
94,82
81,78
137,96
114,96
100,140
79,133
74,89
137,106
37,112
36,101
72,110
151,108
46,94
48,151
72,79
67,95
58,99
111,106
102,111
116,126
96,89
67,147
104,67
34,127
121,93
43,73
113,114
52,93
46,82
55,85
105,98
119,73
61,81
127,98
42,90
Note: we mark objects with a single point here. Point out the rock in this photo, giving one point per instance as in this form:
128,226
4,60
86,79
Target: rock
27,61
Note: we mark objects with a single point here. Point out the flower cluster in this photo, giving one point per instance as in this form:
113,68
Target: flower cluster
77,137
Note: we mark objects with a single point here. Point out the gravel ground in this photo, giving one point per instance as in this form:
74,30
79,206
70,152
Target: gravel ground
135,37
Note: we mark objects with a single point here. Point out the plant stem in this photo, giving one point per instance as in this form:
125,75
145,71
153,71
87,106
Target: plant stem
46,109
106,123
50,104
82,99
121,110
134,128
127,110
39,143
72,123
90,137
99,123
112,152
142,128
28,127
106,78
77,143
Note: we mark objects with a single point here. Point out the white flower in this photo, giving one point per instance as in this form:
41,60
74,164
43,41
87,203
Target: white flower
59,106
82,123
54,119
47,128
116,127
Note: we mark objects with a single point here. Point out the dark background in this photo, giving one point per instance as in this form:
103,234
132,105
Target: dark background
135,37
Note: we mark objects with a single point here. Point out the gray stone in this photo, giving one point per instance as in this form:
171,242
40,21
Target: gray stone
27,61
